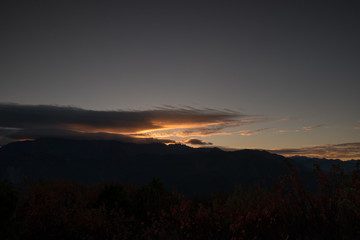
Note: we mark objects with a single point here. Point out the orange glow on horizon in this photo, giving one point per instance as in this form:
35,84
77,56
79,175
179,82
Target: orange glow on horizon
25,139
318,155
174,126
163,129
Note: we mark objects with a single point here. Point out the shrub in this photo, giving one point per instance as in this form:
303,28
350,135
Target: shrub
9,198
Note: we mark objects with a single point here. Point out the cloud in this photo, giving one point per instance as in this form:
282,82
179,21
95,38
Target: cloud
5,140
36,133
25,116
5,131
287,131
194,141
341,151
286,119
36,121
308,128
252,132
209,129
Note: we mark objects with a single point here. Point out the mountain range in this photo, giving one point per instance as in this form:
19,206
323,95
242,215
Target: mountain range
188,170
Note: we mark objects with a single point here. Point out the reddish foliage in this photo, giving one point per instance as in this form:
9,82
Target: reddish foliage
64,210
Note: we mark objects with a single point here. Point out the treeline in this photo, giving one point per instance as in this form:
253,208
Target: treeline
67,210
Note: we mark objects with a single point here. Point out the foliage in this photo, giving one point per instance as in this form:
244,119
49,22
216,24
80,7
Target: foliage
9,227
68,210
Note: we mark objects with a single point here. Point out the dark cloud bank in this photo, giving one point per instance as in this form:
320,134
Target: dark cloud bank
39,121
32,116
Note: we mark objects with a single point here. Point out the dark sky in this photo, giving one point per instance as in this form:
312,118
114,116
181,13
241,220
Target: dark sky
293,63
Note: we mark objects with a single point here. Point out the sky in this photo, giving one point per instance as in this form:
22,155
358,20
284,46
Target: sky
275,75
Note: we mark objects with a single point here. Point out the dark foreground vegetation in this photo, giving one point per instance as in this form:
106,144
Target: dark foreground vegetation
67,210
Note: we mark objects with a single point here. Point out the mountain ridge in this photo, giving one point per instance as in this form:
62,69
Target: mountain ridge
189,170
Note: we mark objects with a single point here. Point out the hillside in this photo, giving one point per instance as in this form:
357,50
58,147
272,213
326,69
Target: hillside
189,170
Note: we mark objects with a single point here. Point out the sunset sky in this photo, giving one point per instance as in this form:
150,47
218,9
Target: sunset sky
275,75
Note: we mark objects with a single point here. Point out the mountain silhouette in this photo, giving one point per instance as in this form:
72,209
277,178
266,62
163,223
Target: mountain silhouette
188,170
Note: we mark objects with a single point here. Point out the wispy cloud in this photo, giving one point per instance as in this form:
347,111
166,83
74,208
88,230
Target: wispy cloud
306,128
35,121
252,132
288,130
341,151
309,128
357,127
194,141
286,119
